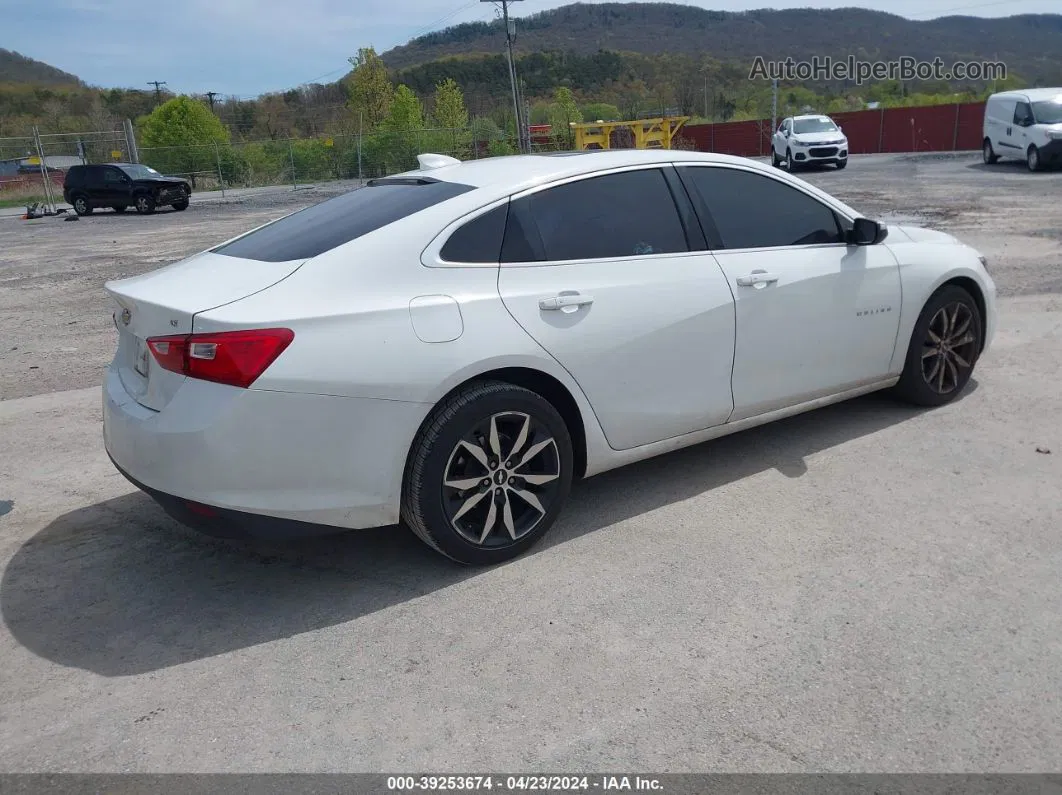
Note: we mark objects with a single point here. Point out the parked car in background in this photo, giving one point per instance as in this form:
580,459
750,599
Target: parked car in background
123,185
453,346
1024,124
806,140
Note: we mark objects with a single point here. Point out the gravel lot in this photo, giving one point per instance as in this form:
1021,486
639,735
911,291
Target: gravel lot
868,588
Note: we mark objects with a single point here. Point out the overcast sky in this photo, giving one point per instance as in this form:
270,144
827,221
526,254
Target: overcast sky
246,47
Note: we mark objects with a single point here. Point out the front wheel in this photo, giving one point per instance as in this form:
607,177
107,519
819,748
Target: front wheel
944,348
789,160
1032,159
181,205
145,205
776,161
841,164
488,473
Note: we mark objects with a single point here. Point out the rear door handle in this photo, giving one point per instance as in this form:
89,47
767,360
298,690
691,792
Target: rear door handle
565,303
756,278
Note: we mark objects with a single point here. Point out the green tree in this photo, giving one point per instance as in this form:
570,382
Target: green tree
406,111
563,112
182,121
180,136
369,88
450,111
601,111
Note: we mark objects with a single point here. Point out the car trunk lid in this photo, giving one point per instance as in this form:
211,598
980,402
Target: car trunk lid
166,301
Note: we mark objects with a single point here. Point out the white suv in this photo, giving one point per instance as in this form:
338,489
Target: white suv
800,140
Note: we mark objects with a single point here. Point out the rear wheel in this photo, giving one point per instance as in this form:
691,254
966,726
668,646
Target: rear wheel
988,154
82,205
1032,159
944,348
145,205
488,473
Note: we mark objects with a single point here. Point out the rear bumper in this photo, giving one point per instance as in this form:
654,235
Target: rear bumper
307,459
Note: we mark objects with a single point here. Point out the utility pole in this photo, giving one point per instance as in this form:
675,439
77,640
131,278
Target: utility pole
512,69
210,98
774,105
158,90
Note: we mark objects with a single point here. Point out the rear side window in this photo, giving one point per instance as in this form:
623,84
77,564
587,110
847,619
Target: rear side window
480,240
615,215
753,211
332,223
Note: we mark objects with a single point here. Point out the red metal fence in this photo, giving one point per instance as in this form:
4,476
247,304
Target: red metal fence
934,128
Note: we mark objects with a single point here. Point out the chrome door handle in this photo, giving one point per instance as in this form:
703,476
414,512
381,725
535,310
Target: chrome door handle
755,278
566,303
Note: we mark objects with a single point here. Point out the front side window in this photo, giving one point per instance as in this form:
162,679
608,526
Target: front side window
755,211
1022,113
112,176
629,214
332,223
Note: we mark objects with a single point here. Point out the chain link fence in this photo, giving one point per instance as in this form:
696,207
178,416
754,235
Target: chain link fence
294,162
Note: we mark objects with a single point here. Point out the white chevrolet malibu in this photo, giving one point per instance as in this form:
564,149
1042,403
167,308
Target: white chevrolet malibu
452,346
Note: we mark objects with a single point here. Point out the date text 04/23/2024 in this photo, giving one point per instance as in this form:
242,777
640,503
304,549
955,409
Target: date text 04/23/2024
526,783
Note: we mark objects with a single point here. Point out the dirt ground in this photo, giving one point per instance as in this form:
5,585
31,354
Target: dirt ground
865,588
56,330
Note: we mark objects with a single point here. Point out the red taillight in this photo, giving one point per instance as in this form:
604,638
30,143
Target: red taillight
235,358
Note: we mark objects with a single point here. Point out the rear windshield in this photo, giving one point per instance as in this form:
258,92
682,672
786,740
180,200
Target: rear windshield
332,223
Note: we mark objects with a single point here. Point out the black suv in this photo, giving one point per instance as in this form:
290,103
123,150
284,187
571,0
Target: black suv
119,185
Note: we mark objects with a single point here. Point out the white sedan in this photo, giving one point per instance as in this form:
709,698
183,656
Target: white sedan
453,346
808,140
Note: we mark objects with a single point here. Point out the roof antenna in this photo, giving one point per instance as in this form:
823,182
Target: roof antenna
429,161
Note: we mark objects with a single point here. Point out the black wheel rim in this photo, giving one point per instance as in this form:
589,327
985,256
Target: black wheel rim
501,479
950,348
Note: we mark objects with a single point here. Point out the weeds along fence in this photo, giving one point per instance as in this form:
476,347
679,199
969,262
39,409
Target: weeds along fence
298,161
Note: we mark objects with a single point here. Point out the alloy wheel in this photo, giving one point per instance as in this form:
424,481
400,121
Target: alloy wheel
949,348
142,204
501,479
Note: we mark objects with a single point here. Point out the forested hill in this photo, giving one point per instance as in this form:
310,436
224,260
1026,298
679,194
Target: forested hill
1030,44
17,68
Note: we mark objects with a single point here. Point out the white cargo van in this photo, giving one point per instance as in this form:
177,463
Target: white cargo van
1025,124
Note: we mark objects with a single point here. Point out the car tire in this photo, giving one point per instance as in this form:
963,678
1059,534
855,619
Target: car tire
482,516
988,154
842,163
775,160
145,204
181,205
1032,159
119,208
81,205
789,161
944,348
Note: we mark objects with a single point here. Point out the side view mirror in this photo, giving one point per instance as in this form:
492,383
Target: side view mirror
786,133
866,232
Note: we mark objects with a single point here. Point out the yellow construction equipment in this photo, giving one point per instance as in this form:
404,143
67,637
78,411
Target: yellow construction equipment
648,133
